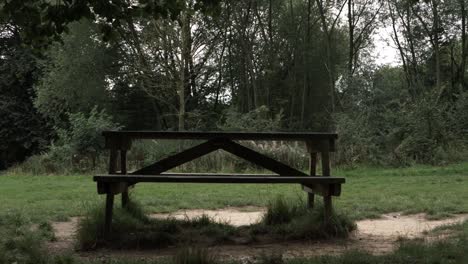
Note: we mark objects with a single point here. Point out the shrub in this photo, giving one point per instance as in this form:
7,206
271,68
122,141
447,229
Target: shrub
78,147
260,119
83,139
293,220
281,211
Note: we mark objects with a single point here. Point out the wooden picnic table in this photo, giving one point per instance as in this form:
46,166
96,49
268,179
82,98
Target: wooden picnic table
120,142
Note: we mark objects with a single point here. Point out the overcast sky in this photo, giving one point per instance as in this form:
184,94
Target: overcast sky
384,47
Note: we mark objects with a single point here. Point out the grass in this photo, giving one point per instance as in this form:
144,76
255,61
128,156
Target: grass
25,247
368,192
132,229
453,250
21,242
291,219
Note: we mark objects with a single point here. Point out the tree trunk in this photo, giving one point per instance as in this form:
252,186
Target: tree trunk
464,44
435,13
185,79
330,69
351,42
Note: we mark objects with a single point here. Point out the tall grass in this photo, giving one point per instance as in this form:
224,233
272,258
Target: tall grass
131,228
291,219
149,151
145,152
21,242
194,256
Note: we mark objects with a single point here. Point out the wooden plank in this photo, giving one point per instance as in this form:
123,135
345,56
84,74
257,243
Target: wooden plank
327,199
312,172
326,163
123,170
108,215
117,142
180,158
287,136
123,161
112,161
220,174
322,189
328,208
114,187
117,178
259,159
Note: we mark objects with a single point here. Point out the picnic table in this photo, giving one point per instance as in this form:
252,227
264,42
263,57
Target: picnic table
120,142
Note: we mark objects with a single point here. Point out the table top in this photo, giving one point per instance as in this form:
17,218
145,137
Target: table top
287,136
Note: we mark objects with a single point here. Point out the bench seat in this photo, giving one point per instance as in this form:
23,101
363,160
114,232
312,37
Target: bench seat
217,178
115,183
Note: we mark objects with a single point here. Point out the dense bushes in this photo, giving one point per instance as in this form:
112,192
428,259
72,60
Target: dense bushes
80,147
390,127
414,134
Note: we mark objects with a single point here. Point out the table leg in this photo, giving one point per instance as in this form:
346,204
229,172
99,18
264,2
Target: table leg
108,216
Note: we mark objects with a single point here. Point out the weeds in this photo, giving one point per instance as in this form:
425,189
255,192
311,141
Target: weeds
194,256
23,243
291,219
271,258
131,228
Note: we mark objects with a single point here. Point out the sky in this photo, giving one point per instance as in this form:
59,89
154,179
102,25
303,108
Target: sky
387,53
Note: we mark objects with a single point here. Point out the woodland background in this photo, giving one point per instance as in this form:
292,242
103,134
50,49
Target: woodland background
253,65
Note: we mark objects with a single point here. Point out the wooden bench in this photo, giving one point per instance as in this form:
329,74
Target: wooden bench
119,142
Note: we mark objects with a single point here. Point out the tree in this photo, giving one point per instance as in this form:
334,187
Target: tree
76,75
45,21
23,131
362,18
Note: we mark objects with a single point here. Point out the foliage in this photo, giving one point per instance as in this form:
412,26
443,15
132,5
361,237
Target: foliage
46,21
75,75
83,139
78,148
23,131
256,120
257,66
389,127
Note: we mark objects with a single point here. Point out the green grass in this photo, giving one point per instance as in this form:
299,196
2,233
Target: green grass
368,192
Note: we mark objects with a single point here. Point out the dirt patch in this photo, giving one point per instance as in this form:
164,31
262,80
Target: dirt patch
234,216
377,236
65,233
397,225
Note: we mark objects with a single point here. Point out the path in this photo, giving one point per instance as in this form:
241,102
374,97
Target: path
377,236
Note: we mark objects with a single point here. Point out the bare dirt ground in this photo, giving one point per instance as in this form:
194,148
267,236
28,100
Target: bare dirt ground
377,236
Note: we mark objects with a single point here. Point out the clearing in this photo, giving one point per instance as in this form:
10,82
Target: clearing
371,196
377,236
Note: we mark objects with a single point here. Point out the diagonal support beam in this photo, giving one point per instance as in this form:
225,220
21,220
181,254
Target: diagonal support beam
180,158
260,159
